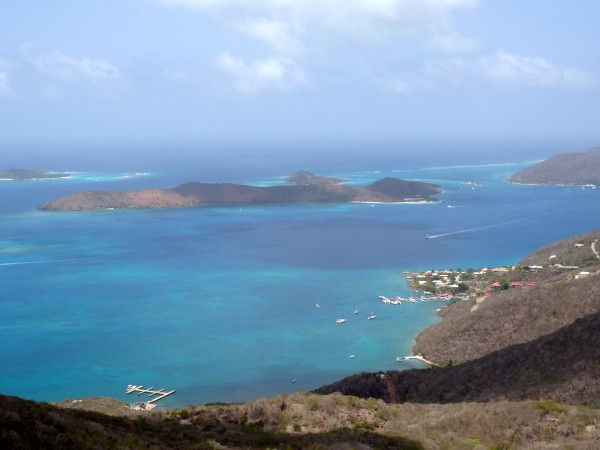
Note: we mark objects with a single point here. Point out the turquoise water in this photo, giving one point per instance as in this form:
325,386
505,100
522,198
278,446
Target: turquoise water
220,303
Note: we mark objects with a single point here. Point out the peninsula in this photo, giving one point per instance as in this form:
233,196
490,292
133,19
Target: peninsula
30,174
302,187
580,168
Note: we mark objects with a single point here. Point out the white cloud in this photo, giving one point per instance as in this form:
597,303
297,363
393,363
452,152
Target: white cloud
300,29
275,33
62,67
262,74
532,71
5,87
453,43
512,69
297,22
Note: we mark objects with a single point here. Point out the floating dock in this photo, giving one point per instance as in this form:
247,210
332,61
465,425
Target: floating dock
148,404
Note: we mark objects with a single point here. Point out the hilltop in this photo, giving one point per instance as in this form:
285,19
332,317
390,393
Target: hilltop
30,174
304,177
327,190
566,168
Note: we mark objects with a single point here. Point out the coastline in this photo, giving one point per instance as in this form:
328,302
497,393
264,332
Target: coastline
408,202
582,185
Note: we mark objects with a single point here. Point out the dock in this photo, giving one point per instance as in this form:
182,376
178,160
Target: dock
418,358
148,404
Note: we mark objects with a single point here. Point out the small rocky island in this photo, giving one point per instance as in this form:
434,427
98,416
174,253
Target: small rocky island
302,187
30,174
580,168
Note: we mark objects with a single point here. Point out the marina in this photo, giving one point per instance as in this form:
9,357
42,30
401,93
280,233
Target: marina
149,404
399,300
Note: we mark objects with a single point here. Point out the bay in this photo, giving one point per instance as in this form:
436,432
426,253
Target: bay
220,303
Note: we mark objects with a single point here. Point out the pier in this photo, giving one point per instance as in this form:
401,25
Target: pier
149,404
418,358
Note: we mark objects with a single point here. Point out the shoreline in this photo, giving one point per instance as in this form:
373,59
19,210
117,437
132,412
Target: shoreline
408,202
586,185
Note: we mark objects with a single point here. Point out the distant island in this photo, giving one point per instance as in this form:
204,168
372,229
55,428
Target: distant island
564,169
303,187
30,174
304,177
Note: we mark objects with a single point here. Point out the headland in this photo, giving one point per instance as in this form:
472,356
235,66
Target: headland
578,168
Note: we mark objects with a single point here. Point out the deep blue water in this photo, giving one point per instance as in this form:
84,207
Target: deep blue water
219,303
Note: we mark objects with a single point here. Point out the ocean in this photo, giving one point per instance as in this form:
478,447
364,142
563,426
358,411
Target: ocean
219,303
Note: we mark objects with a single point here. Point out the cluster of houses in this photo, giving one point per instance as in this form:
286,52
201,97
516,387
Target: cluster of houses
455,281
474,282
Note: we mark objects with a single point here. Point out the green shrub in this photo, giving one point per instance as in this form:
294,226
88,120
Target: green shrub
474,442
548,406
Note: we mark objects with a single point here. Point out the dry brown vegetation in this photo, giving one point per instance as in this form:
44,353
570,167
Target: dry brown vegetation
308,421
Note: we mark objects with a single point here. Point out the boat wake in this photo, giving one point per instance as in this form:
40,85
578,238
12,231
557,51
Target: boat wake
470,230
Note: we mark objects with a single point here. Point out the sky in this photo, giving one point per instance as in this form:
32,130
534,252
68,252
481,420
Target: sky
225,70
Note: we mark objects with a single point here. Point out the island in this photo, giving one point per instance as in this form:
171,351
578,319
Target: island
581,168
30,174
304,187
304,177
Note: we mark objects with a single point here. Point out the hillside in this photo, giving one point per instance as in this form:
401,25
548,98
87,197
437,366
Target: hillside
473,328
305,421
563,366
388,190
566,168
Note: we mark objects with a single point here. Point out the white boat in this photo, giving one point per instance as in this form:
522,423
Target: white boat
401,358
356,311
340,321
371,317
